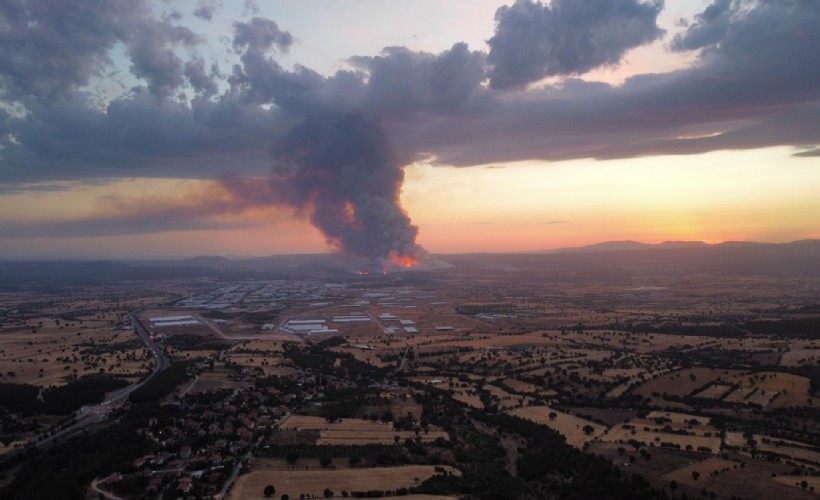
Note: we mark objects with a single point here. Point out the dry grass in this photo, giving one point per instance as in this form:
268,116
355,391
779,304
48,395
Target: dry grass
788,390
681,383
678,418
715,391
812,481
49,356
621,435
313,482
354,431
520,386
797,453
801,357
569,426
705,468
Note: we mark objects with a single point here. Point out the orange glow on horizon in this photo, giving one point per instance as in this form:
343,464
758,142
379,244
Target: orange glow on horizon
764,195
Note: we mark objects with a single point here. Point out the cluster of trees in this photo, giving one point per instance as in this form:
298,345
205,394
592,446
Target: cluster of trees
20,398
66,468
549,464
62,400
799,327
372,454
721,330
82,391
161,384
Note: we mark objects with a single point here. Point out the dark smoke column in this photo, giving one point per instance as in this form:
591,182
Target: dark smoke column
342,172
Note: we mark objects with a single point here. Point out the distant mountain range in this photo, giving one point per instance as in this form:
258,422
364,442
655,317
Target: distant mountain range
613,260
629,245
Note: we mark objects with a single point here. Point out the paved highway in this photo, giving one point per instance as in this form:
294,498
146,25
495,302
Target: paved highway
88,415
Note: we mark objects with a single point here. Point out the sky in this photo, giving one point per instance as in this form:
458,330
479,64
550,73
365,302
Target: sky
387,130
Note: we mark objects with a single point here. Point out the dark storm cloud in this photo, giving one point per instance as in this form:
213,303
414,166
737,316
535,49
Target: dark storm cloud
534,40
202,81
763,73
153,57
402,81
49,49
205,9
260,35
709,28
756,83
260,79
137,136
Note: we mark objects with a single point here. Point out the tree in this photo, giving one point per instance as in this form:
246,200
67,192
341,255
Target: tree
285,496
292,457
328,493
325,461
269,491
588,429
553,415
695,475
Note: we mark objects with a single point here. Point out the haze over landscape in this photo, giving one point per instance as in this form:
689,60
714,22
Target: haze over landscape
147,129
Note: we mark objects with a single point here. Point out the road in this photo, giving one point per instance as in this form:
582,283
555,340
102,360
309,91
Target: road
88,415
403,362
256,336
116,398
229,482
95,486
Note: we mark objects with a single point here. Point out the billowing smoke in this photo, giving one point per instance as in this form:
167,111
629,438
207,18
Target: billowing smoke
342,173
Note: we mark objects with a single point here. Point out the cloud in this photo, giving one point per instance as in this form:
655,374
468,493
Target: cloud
809,153
137,136
756,83
709,28
203,82
260,35
48,50
153,58
567,37
205,9
210,205
758,86
402,81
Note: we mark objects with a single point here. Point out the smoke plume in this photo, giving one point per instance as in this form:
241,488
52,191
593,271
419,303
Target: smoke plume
342,173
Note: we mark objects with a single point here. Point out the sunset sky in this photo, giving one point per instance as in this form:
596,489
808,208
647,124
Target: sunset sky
143,129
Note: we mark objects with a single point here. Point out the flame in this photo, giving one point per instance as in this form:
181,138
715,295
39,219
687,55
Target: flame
394,261
403,261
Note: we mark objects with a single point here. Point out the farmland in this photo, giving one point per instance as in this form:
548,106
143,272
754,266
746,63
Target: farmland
358,431
476,371
314,480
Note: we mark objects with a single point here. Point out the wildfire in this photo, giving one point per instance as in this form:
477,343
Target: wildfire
403,261
395,261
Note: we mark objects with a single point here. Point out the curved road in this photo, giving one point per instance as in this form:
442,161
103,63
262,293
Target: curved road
88,415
